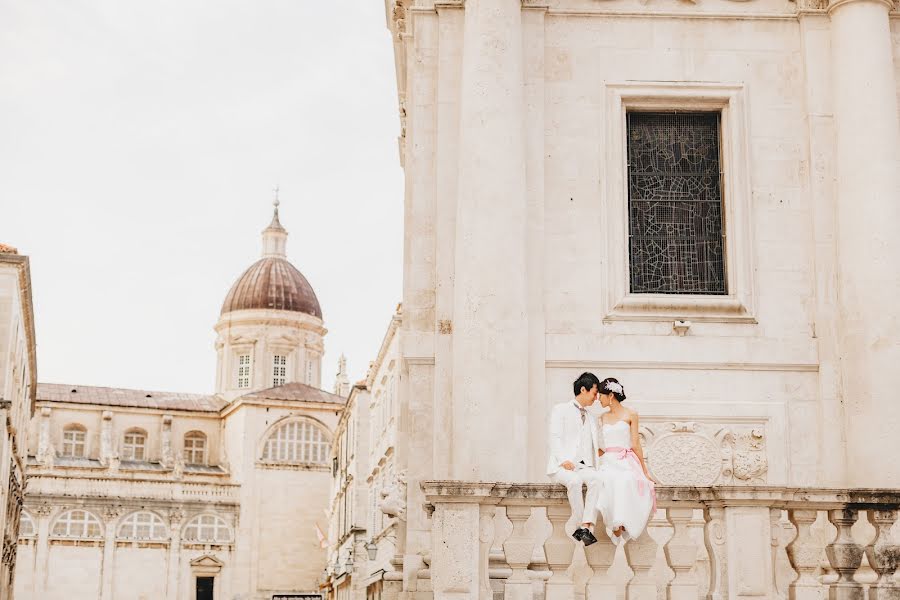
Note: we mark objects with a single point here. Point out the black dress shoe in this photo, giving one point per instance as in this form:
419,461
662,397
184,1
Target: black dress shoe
584,536
587,538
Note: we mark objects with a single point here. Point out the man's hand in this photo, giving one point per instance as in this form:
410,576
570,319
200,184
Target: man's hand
568,466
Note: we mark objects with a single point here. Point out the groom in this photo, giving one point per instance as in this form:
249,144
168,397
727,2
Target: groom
574,454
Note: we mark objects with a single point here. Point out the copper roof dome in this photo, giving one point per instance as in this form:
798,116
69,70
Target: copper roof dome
272,282
275,284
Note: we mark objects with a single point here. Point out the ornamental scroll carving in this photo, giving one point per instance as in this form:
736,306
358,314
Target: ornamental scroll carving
694,453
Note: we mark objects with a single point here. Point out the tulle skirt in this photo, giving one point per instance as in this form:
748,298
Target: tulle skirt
628,498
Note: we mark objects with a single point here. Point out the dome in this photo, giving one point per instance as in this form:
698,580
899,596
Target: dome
272,283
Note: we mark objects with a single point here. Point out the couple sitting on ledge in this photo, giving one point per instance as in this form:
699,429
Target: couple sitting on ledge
605,455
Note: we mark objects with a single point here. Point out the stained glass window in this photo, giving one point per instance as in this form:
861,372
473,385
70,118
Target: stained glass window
676,233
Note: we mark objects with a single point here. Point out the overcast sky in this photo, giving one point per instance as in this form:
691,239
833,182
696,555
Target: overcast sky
139,143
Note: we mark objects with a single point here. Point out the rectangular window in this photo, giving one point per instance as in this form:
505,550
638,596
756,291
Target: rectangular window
133,446
675,212
243,375
279,369
73,443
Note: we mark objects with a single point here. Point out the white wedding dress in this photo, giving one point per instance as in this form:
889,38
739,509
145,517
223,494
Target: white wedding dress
628,498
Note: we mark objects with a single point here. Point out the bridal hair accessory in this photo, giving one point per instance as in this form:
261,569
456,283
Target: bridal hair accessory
612,386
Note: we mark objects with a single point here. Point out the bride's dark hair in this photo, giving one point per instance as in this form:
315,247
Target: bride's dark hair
616,389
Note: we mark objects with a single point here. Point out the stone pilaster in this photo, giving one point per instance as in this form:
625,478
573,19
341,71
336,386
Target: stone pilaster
868,217
490,308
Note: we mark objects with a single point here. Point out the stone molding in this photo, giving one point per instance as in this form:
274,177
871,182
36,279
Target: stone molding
783,497
831,6
730,99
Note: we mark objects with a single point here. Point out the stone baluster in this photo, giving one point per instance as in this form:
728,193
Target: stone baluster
845,556
518,548
641,556
559,548
600,556
486,532
805,553
714,538
884,556
681,555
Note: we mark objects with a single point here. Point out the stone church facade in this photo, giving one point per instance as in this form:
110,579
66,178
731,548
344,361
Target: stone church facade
698,198
146,495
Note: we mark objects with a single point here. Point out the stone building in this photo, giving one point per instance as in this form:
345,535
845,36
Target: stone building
699,198
18,384
368,502
137,494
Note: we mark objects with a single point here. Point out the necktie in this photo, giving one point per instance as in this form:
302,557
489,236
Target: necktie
583,413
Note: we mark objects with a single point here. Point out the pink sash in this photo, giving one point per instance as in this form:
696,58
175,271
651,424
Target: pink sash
640,479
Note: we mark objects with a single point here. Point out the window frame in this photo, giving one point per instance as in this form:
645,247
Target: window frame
74,428
730,100
88,520
323,445
218,524
190,454
155,523
240,376
134,431
279,371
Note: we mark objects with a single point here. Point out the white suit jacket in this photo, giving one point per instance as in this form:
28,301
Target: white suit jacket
565,424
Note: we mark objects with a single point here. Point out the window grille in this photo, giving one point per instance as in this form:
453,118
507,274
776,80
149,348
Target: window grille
207,528
143,526
676,232
77,524
298,442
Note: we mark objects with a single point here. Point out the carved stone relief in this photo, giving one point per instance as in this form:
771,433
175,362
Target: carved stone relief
694,453
393,498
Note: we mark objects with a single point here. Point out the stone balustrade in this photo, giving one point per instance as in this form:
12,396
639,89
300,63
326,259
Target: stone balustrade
151,489
716,543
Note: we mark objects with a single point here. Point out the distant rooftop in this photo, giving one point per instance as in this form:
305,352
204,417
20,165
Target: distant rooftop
296,391
105,396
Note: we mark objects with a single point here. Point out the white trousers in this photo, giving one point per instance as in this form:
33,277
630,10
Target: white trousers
583,507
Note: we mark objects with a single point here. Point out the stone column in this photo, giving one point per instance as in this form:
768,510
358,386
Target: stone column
41,551
490,308
108,452
107,567
176,516
868,218
748,544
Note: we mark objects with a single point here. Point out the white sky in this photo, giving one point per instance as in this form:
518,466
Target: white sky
139,143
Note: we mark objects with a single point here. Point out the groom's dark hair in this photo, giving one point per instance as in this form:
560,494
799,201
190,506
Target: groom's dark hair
587,381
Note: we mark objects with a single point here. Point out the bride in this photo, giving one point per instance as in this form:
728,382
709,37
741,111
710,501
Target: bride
629,495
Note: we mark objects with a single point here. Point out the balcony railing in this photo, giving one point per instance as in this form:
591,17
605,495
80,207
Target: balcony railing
716,543
100,487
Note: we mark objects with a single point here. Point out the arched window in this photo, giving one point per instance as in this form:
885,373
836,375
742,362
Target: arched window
207,528
77,524
143,525
134,445
73,440
195,448
26,526
298,442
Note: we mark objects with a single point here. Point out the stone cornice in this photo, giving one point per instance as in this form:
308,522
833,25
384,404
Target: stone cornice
838,3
